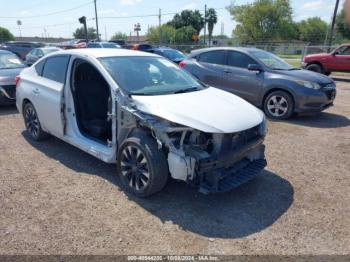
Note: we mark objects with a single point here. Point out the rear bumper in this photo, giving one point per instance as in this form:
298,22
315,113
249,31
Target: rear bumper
236,168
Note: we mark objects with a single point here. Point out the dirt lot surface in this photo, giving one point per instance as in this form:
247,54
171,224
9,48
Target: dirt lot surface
55,199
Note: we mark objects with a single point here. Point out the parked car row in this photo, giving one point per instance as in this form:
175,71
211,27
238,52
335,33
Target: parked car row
263,79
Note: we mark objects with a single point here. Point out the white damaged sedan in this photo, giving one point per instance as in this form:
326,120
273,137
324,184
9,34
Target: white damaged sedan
145,114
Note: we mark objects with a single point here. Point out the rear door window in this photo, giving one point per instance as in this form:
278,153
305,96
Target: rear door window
212,57
39,67
55,68
238,59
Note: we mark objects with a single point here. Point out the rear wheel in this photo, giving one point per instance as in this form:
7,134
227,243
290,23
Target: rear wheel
315,68
279,105
32,123
142,167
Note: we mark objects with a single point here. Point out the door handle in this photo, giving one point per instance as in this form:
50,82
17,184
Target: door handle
36,91
228,71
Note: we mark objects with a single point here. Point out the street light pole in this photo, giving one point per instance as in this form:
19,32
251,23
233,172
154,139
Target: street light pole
333,23
205,22
98,35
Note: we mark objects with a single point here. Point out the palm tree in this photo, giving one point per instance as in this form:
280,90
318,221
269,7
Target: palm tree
212,19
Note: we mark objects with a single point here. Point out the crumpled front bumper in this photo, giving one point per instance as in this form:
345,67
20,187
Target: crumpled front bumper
7,94
232,170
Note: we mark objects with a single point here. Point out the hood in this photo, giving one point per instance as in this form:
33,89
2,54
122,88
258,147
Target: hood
210,110
316,55
7,76
306,75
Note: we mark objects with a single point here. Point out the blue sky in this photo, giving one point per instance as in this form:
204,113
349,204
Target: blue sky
63,24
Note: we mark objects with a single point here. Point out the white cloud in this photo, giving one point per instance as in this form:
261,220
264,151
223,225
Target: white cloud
319,4
69,19
130,2
189,6
25,12
106,12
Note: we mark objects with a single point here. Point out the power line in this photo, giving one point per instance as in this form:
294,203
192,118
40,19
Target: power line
48,14
149,15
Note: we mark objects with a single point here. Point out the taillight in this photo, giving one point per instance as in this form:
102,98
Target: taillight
182,64
17,79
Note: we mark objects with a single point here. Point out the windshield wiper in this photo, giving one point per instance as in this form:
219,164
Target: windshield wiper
187,90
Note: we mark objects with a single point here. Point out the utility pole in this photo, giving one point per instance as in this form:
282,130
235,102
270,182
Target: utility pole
98,35
160,26
333,23
106,33
205,21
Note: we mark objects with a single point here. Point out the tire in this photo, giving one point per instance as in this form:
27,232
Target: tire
315,68
279,105
142,166
32,123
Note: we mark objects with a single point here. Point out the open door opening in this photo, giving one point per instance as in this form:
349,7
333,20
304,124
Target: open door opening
92,100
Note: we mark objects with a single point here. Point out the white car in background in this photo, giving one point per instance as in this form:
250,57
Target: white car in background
145,114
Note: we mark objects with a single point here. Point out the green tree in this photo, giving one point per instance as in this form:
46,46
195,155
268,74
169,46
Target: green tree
212,19
80,34
313,30
263,20
119,36
188,18
166,31
5,35
342,26
184,35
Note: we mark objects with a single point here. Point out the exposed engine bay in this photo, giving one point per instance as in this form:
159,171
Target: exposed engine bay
206,160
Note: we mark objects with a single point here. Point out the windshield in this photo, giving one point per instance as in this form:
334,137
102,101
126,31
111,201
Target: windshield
149,75
8,61
271,60
174,54
110,45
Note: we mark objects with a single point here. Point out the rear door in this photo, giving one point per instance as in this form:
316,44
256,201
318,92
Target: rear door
239,80
48,93
211,67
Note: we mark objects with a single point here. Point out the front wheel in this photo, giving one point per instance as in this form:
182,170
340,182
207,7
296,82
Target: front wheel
32,123
315,68
279,105
142,166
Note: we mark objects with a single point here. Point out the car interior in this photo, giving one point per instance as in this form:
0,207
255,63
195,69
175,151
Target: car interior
92,100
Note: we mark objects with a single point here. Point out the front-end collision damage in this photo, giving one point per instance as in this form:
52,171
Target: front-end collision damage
214,162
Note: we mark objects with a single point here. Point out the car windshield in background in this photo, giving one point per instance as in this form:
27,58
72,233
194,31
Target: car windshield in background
110,45
271,60
49,50
9,61
149,75
174,54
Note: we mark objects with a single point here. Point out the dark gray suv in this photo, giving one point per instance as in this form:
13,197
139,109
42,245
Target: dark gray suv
263,79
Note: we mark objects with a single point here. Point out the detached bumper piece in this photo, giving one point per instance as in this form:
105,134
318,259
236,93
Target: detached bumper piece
228,179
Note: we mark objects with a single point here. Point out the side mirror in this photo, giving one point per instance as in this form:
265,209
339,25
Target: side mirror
255,67
336,53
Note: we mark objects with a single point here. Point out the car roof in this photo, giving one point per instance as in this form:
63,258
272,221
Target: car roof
241,49
48,48
104,52
5,52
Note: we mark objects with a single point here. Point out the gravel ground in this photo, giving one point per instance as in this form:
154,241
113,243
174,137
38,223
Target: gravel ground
55,199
